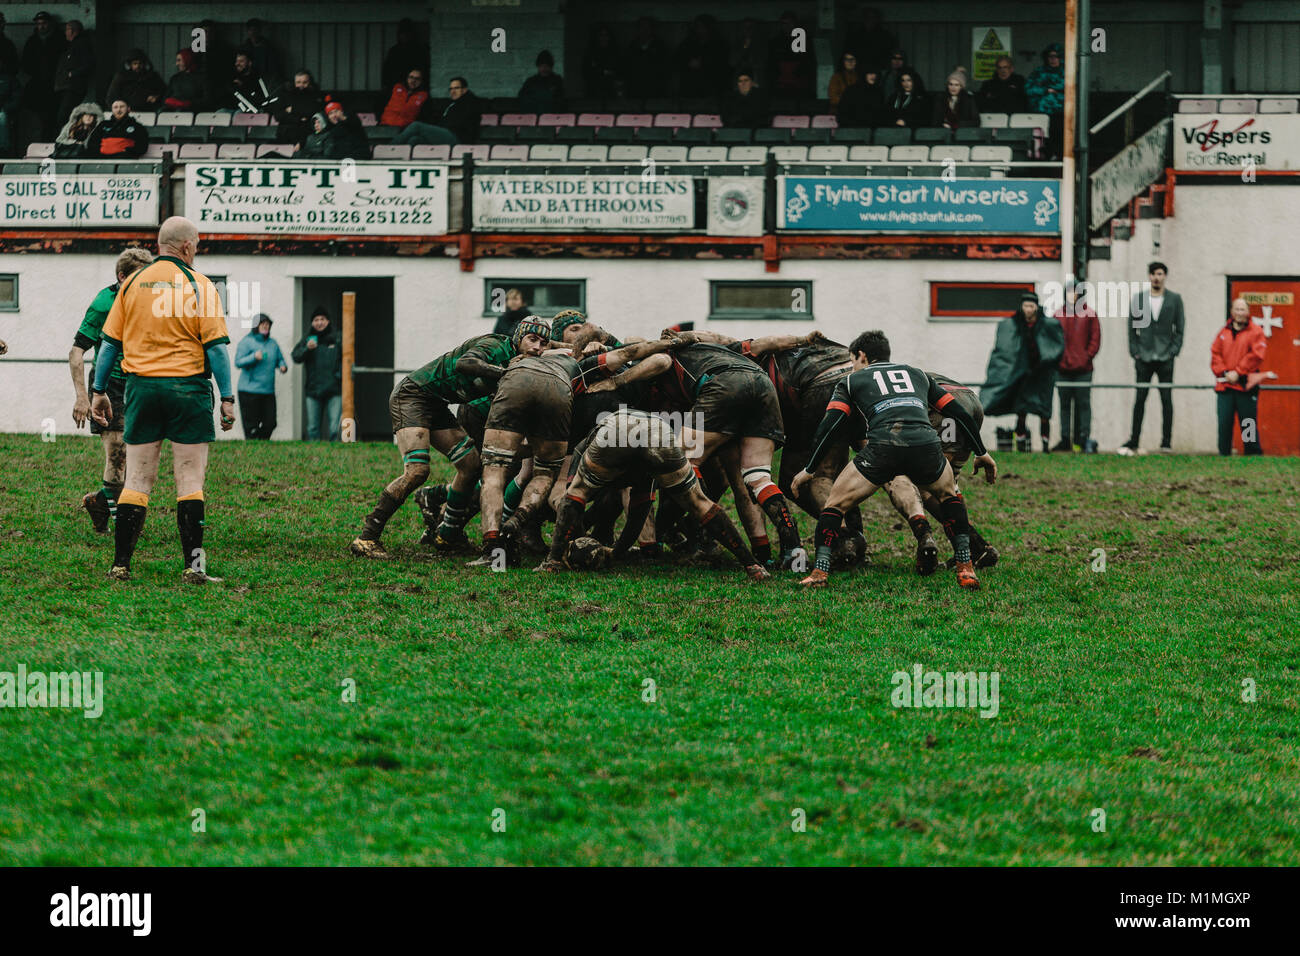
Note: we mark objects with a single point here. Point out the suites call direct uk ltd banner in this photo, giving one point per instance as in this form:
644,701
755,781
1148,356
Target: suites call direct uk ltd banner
867,204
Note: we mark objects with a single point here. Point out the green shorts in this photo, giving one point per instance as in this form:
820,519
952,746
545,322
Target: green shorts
178,409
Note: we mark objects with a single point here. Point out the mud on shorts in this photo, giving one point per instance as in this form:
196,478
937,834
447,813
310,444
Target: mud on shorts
922,463
472,418
739,403
538,405
656,452
116,391
410,406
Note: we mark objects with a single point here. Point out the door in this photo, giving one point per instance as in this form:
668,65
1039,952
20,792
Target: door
1275,307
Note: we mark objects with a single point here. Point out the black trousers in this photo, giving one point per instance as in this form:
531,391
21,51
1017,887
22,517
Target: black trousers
1076,408
1244,406
1164,372
258,414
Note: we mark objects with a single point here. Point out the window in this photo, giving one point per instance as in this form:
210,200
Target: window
543,297
9,292
965,300
760,300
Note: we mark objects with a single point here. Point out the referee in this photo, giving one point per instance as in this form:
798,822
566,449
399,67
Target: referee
169,328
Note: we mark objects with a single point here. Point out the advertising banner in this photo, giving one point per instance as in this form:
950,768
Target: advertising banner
54,200
528,202
1236,141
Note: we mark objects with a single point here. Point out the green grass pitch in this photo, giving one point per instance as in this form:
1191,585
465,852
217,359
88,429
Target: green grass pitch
520,700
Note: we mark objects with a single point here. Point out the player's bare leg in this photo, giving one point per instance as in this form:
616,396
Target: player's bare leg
685,488
102,505
548,462
851,488
133,505
413,445
906,498
458,448
499,450
756,471
190,466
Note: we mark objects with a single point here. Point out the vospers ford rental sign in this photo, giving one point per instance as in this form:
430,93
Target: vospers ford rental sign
1233,141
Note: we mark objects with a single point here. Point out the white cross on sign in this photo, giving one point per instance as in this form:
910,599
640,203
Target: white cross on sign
1268,321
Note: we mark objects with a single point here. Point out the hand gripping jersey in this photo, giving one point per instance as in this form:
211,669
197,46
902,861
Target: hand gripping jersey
441,379
794,371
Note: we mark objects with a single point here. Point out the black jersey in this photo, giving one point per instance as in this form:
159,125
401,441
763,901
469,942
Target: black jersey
792,371
693,365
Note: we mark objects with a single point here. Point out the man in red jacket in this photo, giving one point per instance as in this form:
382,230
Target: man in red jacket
1236,358
404,104
1082,341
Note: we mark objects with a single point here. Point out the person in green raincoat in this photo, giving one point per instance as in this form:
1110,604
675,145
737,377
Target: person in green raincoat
1022,369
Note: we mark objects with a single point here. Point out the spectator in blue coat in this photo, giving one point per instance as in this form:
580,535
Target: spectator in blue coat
259,357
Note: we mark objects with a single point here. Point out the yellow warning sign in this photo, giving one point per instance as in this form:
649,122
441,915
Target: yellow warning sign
988,44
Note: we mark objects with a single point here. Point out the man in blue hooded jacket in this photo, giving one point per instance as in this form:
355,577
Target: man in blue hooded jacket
259,357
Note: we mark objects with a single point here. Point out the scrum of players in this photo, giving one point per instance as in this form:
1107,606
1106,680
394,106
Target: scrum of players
561,421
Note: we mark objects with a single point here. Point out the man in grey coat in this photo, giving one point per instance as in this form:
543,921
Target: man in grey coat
1155,337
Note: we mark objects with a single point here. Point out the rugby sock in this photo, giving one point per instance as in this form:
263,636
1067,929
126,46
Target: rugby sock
455,513
977,543
108,496
773,504
189,521
717,524
762,549
132,506
567,524
920,526
374,523
514,493
956,522
853,520
828,531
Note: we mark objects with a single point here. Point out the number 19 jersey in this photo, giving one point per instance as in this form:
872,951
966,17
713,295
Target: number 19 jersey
894,400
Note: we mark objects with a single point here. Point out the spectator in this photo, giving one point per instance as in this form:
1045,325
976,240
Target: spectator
1022,369
1236,358
317,142
846,76
1004,91
260,358
701,61
602,64
322,353
868,37
863,103
266,61
955,108
516,309
1082,342
791,63
458,122
122,135
187,89
247,90
295,105
543,92
40,61
71,142
405,101
750,54
137,83
746,107
643,67
407,54
889,81
8,86
1155,337
1045,90
339,136
909,106
76,67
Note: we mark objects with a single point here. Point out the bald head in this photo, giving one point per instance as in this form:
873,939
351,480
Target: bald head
178,237
1240,313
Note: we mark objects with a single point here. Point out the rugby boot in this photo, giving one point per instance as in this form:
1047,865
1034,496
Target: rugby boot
966,576
449,542
368,548
986,558
527,536
195,576
98,511
430,501
817,578
550,567
927,556
756,572
119,573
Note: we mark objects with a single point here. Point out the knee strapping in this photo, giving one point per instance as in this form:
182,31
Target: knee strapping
685,485
494,457
460,450
548,468
760,484
417,456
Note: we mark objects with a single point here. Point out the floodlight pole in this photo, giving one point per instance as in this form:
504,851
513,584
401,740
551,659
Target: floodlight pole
1067,139
1084,190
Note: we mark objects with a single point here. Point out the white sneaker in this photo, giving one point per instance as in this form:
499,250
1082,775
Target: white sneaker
1124,451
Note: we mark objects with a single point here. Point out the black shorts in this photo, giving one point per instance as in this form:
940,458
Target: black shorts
922,463
410,406
116,390
739,403
472,418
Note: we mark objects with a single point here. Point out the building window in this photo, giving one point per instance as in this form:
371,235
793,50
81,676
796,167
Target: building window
543,297
966,300
9,292
760,300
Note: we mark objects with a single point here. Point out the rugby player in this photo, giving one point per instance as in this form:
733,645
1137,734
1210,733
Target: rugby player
638,449
420,417
168,326
893,401
912,503
101,505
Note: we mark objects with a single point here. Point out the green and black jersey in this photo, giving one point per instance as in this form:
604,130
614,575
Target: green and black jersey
88,334
440,377
794,370
693,365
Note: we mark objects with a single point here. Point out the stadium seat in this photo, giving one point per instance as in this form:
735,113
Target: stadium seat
187,134
146,117
617,134
595,119
1277,105
868,154
236,150
435,152
557,119
993,120
497,134
175,119
1023,137
651,135
548,153
1198,106
733,136
892,136
1028,121
634,120
262,134
274,150
490,119
707,154
536,134
381,134
931,135
791,122
790,154
368,119
852,135
250,119
391,151
706,121
198,151
39,150
990,154
673,120
227,134
212,118
588,153
668,154
1238,106
509,153
693,137
828,154
747,154
158,150
825,121
629,153
519,119
480,151
973,134
811,137
576,134
958,154
909,154
774,137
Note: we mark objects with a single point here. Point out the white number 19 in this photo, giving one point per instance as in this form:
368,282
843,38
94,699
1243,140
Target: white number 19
901,380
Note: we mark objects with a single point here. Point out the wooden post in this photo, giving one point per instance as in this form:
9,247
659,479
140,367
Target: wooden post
349,424
1068,197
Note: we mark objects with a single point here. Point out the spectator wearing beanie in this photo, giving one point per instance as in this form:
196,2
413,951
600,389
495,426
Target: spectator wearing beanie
187,89
137,83
543,92
321,353
955,108
1236,359
259,357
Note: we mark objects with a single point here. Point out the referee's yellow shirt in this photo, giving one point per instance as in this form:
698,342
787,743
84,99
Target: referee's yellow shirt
164,318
